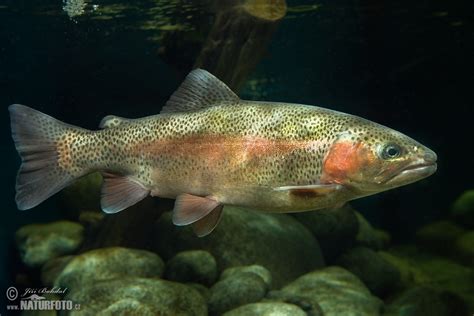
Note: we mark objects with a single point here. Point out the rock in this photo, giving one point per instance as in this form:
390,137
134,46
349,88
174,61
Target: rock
410,273
368,236
137,296
335,229
236,290
53,268
192,266
91,220
337,291
438,272
243,237
109,263
258,270
311,307
464,248
379,275
267,309
38,243
426,301
203,290
83,194
463,209
439,236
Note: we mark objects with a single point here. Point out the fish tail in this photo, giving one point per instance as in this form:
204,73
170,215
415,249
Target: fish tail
42,143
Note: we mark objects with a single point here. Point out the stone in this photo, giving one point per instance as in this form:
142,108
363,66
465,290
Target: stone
137,296
91,219
202,289
426,301
379,275
243,237
337,291
335,229
462,209
109,263
464,248
368,236
410,273
192,266
258,270
236,290
309,306
439,236
438,272
53,268
267,309
38,243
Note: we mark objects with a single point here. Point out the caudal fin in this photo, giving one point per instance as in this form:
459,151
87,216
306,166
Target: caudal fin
36,137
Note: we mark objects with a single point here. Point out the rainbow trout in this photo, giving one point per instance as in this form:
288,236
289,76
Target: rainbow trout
208,148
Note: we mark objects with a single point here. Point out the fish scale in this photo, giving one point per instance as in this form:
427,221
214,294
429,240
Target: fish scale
237,124
208,148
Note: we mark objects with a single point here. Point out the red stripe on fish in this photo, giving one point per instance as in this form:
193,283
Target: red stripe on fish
215,148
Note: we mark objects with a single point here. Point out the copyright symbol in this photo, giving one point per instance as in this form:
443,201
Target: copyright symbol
12,293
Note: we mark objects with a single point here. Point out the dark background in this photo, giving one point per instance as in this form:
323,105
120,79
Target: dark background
405,64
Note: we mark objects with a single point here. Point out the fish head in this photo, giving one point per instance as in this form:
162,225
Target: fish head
371,158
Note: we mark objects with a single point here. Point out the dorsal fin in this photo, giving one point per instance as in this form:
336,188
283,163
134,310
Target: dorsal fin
113,121
199,90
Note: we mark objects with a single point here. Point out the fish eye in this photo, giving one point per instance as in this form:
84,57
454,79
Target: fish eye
391,151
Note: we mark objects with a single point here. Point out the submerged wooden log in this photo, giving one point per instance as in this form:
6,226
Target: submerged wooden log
239,38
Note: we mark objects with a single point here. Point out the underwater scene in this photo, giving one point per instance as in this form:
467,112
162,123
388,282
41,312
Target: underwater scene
237,157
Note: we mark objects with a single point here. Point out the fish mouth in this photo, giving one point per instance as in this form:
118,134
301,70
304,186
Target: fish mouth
413,173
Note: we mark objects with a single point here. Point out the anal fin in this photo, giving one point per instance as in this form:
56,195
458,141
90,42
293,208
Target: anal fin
120,192
206,225
189,208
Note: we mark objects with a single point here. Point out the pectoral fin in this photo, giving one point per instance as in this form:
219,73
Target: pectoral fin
189,208
120,192
314,190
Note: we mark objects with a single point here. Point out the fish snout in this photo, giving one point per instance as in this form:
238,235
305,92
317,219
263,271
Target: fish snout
430,156
429,159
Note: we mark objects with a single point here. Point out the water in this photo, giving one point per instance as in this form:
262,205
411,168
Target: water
402,64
